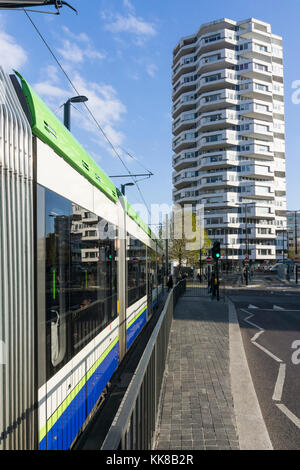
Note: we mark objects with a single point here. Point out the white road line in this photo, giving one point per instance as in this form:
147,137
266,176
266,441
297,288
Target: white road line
289,414
252,306
267,352
279,383
257,335
276,307
250,323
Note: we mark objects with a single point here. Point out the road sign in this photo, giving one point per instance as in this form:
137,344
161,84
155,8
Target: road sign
246,259
208,259
296,260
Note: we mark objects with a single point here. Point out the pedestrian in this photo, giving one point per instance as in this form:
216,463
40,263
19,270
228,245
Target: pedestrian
170,283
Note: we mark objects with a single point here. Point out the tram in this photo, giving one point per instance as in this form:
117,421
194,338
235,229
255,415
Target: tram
80,275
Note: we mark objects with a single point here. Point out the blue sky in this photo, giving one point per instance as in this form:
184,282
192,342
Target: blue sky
119,54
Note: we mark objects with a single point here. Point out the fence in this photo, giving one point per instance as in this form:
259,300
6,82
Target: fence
134,425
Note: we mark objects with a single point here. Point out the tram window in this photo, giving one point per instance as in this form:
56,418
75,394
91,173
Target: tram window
136,269
80,278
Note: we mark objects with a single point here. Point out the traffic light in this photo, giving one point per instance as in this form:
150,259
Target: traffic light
215,252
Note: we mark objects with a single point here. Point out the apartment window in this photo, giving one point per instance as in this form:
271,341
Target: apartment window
259,86
211,58
212,138
243,66
261,67
261,107
212,78
215,37
210,98
244,107
213,118
261,128
261,48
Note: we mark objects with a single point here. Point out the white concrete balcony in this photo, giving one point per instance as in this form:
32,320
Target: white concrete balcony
257,110
257,131
260,212
219,159
262,52
186,65
252,32
183,50
184,103
217,100
257,151
257,91
89,255
184,142
256,70
256,191
257,171
215,139
210,42
183,87
182,181
217,80
184,161
184,123
263,233
216,60
90,235
217,119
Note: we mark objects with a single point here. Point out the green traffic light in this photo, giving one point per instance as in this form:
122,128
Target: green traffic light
217,255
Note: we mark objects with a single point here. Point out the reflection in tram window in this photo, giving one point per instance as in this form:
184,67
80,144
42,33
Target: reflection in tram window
80,277
136,269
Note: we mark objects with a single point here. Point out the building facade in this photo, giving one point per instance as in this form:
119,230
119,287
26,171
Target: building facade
229,134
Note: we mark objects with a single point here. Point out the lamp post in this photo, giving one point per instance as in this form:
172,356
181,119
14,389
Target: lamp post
123,187
67,109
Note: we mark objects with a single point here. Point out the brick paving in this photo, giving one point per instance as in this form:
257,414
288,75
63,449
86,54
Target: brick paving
197,406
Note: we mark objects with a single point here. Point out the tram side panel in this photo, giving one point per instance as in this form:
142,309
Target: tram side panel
79,306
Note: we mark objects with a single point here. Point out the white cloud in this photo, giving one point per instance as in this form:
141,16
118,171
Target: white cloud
13,56
131,24
128,4
103,102
151,69
76,53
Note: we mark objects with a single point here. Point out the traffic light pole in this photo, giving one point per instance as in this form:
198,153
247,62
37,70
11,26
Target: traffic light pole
217,274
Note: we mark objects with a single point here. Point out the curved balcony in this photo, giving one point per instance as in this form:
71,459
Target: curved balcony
182,161
252,32
216,60
257,151
257,91
215,120
257,131
255,70
213,101
224,139
184,103
183,125
184,50
187,65
183,87
211,42
257,110
216,81
219,160
184,142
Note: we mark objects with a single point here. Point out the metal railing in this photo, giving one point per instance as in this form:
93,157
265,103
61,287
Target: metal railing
134,425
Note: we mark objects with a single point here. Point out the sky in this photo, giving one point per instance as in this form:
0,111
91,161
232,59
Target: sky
119,54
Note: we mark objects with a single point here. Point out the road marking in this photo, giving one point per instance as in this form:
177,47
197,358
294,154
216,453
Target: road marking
257,335
289,414
267,352
277,394
252,306
279,383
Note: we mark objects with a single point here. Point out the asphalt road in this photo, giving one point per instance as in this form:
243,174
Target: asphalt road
268,333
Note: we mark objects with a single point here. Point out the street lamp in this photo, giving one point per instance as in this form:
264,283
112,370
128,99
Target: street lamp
123,187
67,109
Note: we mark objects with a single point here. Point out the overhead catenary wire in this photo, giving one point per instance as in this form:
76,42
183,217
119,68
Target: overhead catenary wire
88,110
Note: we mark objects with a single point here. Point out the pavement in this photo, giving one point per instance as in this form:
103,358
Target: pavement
197,408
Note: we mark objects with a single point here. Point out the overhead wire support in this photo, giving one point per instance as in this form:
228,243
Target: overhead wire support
15,4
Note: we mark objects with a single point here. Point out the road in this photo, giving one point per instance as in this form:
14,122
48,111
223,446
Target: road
269,317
